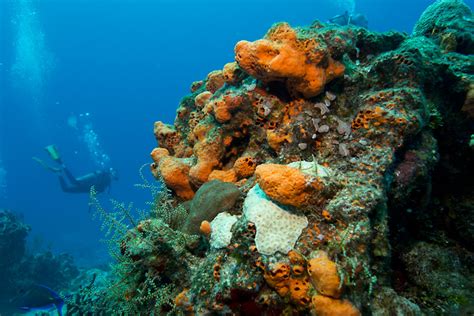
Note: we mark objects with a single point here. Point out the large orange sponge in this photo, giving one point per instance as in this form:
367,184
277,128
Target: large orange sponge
287,185
303,64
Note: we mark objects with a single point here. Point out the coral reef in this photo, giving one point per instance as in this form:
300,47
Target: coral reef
56,270
13,233
20,269
313,173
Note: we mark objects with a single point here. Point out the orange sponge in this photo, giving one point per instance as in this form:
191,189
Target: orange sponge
287,185
324,276
326,306
303,64
174,173
231,73
209,151
245,167
224,106
215,80
278,278
223,175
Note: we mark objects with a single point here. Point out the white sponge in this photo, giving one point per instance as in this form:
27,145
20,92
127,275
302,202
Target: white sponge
221,226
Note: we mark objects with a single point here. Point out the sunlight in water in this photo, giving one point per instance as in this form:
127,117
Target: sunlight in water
33,62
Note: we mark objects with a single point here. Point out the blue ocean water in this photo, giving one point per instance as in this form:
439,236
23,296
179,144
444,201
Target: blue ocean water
92,77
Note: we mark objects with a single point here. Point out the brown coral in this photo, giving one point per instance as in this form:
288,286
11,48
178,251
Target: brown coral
287,185
281,56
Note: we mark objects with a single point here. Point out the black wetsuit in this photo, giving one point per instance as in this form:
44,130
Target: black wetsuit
100,179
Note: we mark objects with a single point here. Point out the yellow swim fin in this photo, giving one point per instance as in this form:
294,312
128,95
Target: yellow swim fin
53,152
44,165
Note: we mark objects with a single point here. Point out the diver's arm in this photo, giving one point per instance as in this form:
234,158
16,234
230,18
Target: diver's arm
90,177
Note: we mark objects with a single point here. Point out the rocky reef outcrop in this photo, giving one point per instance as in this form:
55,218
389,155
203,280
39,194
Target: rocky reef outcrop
13,233
21,269
324,171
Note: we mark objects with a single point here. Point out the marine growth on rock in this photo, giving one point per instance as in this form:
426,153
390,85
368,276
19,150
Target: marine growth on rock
297,164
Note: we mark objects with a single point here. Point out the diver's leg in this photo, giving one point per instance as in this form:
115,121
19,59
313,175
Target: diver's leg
68,188
63,184
70,176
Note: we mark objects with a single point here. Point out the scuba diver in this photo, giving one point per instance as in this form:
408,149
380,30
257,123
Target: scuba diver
100,179
356,19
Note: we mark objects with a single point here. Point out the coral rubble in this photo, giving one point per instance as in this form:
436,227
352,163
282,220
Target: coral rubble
303,167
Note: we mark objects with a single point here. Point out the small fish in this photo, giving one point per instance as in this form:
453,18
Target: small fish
39,298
